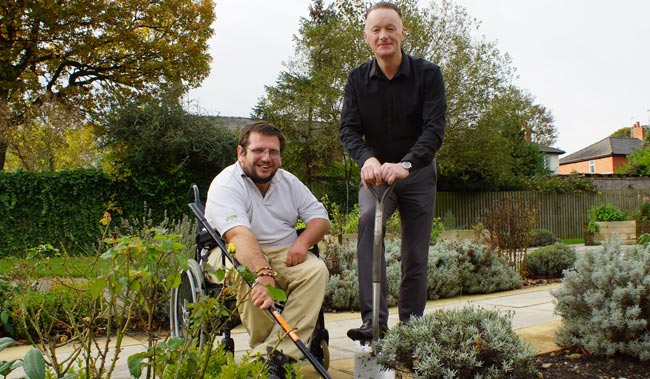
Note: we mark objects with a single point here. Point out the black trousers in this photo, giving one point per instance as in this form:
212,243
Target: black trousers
415,198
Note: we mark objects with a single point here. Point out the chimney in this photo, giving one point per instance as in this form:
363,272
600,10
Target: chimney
637,131
524,127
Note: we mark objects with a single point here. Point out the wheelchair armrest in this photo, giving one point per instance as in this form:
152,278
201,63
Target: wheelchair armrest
204,240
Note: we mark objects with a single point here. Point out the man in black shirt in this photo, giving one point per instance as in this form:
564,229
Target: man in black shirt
392,125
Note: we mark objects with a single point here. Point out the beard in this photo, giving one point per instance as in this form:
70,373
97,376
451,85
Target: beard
256,178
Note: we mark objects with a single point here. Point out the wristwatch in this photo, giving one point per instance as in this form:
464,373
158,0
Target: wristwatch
407,165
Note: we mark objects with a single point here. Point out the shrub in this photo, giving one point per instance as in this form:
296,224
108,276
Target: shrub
604,302
604,212
460,268
444,278
463,343
342,290
454,268
38,313
6,294
341,222
484,270
511,222
174,362
644,212
393,270
643,240
550,261
436,230
542,237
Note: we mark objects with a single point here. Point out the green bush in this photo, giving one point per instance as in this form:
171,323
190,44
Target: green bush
604,212
464,343
6,293
342,292
604,302
436,230
445,278
38,312
57,208
542,237
63,209
644,212
643,240
454,268
174,358
550,261
487,271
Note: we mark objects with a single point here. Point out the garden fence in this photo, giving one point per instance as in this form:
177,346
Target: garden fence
565,214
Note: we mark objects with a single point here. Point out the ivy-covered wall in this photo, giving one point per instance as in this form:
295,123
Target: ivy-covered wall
64,208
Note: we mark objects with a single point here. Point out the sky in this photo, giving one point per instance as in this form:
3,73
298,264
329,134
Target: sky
588,62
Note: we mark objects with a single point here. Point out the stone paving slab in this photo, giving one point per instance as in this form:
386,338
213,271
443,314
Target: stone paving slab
534,321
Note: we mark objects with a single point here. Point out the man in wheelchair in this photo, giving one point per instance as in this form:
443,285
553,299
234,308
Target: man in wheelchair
255,205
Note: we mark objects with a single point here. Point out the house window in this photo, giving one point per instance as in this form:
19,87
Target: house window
592,166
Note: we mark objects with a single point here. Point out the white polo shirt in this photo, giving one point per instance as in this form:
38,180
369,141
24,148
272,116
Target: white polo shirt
234,200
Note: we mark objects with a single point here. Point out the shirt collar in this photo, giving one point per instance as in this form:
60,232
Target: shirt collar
404,68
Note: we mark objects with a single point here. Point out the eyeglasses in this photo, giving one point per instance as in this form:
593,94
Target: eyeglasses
273,153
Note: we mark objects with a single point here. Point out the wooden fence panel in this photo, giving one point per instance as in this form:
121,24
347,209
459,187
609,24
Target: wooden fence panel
565,214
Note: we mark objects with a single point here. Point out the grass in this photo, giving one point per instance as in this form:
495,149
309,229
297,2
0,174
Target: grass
72,267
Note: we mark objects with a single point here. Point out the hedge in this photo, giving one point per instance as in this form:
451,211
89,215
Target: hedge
64,208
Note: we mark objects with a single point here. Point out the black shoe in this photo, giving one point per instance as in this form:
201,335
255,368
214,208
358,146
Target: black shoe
364,333
275,364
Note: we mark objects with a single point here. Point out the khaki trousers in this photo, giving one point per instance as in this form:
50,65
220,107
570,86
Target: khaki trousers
304,285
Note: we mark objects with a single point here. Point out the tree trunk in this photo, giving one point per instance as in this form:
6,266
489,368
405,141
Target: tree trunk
3,155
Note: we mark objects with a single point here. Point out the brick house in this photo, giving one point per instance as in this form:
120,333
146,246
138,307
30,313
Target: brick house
604,156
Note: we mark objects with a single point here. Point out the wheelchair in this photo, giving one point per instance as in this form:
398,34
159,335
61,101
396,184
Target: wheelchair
195,284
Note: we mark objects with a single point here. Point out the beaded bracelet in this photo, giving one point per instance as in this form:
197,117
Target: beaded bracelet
263,268
270,273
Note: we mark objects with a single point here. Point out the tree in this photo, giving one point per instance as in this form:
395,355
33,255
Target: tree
638,163
305,102
501,151
50,138
306,99
160,149
85,53
624,132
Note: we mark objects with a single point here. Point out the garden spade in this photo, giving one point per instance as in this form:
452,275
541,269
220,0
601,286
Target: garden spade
365,362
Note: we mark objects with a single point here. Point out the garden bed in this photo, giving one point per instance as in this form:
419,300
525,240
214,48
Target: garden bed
575,364
627,231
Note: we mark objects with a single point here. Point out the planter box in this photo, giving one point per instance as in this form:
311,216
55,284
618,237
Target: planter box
457,235
463,234
627,231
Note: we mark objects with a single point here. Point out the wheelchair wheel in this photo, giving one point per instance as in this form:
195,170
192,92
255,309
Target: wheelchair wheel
190,290
325,348
319,342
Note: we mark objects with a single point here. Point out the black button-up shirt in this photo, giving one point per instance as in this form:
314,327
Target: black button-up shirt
402,119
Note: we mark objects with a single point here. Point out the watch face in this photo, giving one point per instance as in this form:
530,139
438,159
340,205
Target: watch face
406,165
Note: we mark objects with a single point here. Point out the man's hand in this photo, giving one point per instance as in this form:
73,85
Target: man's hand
371,172
297,254
390,172
259,294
